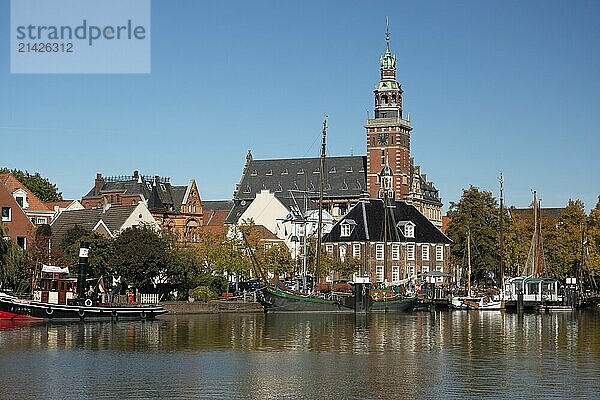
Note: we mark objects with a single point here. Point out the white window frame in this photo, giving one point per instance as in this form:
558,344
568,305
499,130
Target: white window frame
395,273
379,273
410,270
424,268
345,230
395,251
356,250
342,252
41,220
409,231
329,248
379,251
425,252
410,252
439,253
9,217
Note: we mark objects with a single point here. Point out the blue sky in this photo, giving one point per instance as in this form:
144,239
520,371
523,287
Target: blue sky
506,86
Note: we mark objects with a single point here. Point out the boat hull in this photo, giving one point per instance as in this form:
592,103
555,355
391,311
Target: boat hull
12,308
274,301
405,304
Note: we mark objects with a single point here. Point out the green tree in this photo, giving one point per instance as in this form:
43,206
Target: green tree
40,186
593,241
278,260
100,251
476,213
562,243
139,255
346,267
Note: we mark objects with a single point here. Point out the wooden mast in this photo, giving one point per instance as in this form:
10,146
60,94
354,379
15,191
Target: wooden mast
501,279
320,223
469,263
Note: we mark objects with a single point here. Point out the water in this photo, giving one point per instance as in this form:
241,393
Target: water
444,355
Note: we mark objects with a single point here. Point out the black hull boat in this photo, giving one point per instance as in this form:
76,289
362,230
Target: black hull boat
279,301
13,308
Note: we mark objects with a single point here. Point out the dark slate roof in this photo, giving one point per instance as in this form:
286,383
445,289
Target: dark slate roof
217,205
114,218
345,178
169,195
239,206
369,218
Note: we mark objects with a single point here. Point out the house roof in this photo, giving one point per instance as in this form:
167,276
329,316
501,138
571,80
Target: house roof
171,196
369,218
11,183
113,218
345,177
60,204
215,213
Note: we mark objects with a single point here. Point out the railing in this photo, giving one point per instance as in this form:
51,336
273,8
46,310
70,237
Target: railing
148,298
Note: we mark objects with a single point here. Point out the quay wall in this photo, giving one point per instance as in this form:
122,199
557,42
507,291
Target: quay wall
210,307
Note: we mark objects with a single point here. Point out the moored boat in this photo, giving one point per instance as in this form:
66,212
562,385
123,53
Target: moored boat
13,308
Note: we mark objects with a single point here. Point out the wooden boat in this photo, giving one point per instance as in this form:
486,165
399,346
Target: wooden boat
475,303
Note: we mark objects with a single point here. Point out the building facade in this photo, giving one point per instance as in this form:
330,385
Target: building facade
394,244
177,209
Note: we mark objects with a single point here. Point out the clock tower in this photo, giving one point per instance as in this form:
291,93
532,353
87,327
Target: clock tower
388,134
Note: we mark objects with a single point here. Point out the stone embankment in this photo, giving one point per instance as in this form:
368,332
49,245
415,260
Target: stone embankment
211,307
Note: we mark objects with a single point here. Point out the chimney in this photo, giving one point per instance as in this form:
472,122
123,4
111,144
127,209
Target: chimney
98,183
136,175
156,180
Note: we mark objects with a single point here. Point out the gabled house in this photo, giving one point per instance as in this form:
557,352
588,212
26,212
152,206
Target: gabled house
214,215
16,225
393,244
35,209
108,221
177,209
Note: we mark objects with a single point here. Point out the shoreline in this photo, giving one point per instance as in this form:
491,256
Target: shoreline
211,307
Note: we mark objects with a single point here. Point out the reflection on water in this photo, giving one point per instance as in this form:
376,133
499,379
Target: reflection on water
421,355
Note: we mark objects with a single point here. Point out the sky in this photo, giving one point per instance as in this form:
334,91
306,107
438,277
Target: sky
492,86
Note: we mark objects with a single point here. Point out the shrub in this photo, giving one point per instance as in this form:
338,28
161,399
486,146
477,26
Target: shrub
203,293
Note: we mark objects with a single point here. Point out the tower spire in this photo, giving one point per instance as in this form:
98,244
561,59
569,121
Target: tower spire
387,36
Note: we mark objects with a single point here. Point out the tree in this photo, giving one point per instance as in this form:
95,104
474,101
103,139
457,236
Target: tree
564,240
13,273
277,259
40,186
345,268
99,255
139,254
476,213
593,241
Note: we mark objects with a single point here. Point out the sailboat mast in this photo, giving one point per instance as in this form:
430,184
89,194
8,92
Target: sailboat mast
321,178
537,241
501,232
469,263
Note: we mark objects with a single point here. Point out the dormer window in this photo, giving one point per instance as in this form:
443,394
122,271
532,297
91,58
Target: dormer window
284,172
163,188
269,172
253,173
300,171
332,170
408,228
347,227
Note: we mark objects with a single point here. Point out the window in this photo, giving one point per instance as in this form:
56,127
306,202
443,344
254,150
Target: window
284,172
410,251
6,214
22,242
395,251
345,230
343,253
379,251
19,200
329,248
379,273
425,252
300,171
439,279
395,273
439,253
253,173
382,157
409,231
40,221
425,269
356,250
411,270
269,172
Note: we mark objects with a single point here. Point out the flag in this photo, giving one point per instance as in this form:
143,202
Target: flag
101,287
288,217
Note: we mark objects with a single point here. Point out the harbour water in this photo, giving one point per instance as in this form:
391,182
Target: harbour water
444,355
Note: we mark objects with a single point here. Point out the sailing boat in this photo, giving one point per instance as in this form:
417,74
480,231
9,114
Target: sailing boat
279,299
531,290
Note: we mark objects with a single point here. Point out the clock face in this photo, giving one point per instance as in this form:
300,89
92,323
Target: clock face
382,138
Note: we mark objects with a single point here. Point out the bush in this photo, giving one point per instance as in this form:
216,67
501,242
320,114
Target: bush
203,293
216,283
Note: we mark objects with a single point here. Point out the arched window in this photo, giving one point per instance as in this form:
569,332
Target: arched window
384,99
